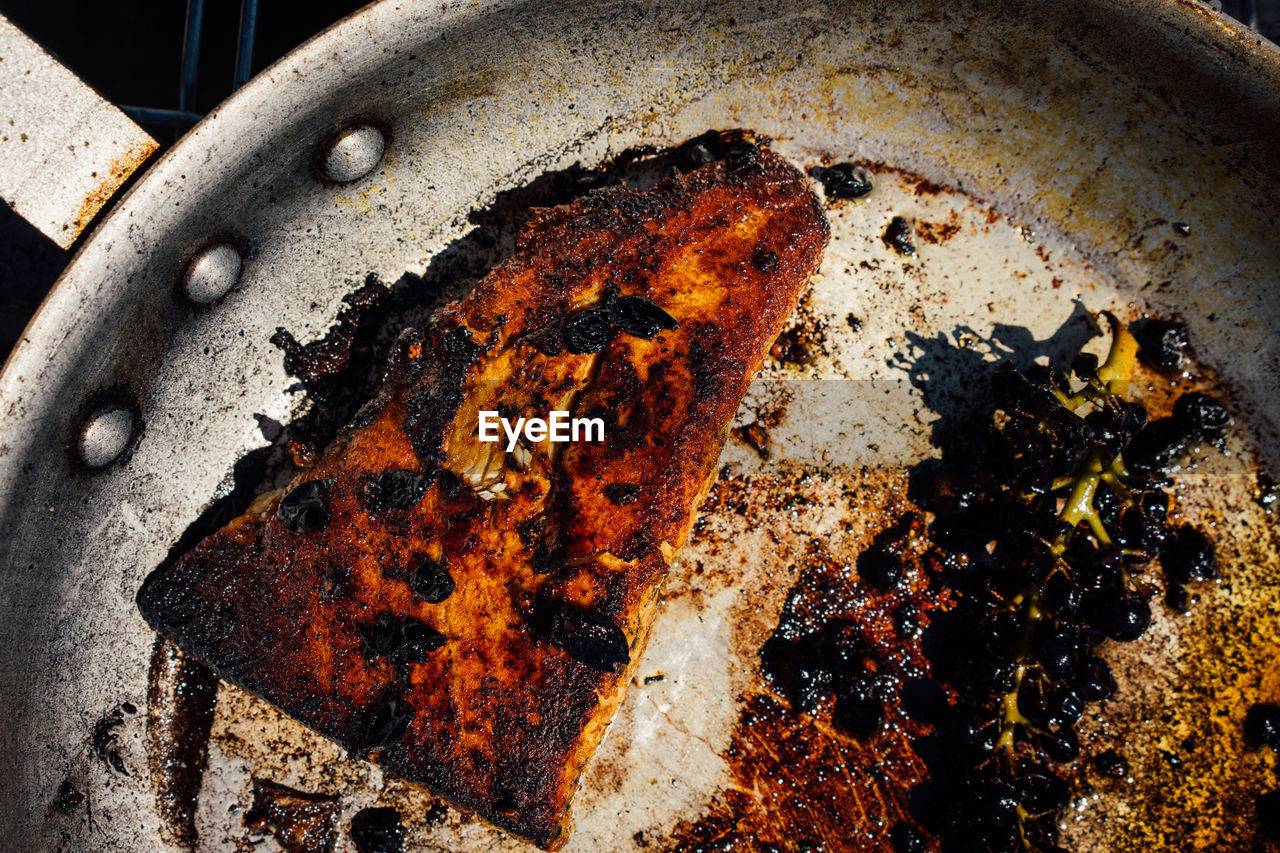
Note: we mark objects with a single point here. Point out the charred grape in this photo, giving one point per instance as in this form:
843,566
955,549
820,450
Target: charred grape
588,331
589,638
641,317
303,510
842,180
431,581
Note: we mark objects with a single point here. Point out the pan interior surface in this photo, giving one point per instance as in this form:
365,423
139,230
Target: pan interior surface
1047,149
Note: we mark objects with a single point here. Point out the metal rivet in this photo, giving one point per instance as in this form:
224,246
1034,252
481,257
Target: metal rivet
106,434
212,273
352,153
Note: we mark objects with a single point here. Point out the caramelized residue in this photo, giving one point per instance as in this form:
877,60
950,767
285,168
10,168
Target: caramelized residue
301,822
181,696
800,781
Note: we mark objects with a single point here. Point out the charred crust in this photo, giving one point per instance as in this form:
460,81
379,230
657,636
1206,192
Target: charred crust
538,656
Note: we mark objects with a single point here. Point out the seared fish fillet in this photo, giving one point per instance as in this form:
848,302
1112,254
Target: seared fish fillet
469,617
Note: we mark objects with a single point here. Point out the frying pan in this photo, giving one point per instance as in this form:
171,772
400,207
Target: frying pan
1060,140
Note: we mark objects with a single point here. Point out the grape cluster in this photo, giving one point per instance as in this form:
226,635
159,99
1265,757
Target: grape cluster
1044,521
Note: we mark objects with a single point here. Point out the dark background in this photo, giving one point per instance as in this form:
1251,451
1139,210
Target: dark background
131,52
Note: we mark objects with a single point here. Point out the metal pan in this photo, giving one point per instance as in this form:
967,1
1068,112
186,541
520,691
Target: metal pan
1051,144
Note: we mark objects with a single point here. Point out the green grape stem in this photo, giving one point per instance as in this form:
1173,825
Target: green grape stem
1107,387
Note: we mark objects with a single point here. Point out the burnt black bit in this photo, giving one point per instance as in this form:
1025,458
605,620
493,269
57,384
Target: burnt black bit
654,679
450,483
742,149
1162,344
833,659
589,638
641,317
69,796
622,493
743,156
403,640
541,561
301,822
548,340
588,331
882,564
765,261
531,531
1262,726
842,180
854,323
431,581
430,410
336,579
303,510
898,237
377,830
322,364
881,567
438,813
106,741
395,490
691,155
1182,228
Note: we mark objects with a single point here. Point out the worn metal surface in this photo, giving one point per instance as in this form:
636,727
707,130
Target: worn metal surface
1068,138
64,151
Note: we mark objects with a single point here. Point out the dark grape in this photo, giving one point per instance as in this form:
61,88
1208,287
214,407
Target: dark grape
1262,726
588,331
1059,653
842,180
1177,599
1095,681
1063,706
1162,344
1202,417
1187,555
1126,616
1063,745
1060,596
1157,445
638,316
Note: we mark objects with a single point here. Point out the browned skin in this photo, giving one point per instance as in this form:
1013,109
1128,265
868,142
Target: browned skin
504,720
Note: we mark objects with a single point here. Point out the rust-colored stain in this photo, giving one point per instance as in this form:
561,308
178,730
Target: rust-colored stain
939,232
124,165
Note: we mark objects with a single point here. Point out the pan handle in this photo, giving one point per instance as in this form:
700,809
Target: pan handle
64,150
